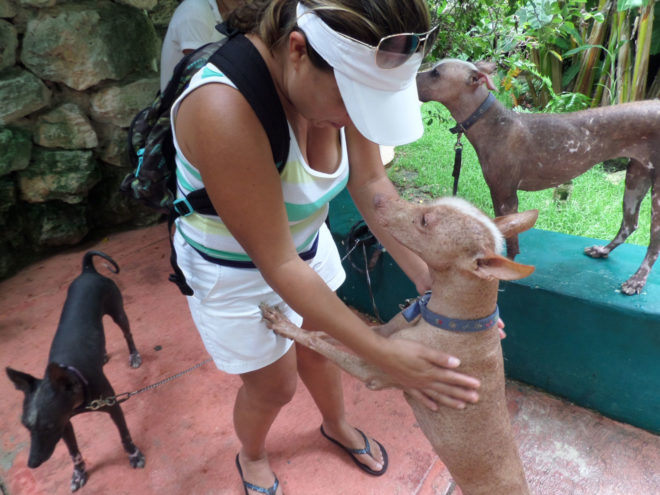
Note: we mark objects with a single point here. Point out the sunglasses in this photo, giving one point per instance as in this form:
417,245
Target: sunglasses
395,50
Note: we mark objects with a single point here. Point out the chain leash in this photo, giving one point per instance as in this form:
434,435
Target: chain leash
119,398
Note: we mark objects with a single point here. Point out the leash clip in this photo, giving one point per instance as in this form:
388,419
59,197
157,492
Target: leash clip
99,403
458,144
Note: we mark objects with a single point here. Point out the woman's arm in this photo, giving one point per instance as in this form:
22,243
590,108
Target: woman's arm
245,189
368,178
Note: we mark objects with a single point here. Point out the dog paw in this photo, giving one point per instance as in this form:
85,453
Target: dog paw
269,313
273,316
137,459
632,287
78,479
135,360
282,326
596,251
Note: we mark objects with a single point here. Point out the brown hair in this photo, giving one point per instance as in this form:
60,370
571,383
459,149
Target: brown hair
365,20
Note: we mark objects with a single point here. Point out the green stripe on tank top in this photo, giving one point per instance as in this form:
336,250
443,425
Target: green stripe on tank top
297,212
189,168
207,72
183,182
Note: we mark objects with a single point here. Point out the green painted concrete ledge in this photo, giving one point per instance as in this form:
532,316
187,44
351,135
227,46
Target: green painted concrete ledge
569,329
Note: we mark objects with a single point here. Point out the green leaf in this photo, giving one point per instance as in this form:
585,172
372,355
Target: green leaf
583,48
557,55
622,5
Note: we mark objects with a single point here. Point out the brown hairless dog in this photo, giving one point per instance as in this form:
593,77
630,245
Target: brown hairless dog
537,151
459,244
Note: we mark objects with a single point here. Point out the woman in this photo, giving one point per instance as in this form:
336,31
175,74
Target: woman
341,95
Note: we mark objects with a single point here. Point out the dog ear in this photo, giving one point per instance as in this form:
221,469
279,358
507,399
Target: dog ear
479,77
486,66
22,381
492,265
60,377
515,223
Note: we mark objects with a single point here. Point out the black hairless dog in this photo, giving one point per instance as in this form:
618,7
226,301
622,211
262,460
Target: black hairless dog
74,375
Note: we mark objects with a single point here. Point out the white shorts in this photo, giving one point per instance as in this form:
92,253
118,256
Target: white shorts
225,305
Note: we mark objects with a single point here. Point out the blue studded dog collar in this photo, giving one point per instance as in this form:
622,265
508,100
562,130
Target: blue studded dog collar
452,324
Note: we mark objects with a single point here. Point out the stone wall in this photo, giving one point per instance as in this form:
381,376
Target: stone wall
72,75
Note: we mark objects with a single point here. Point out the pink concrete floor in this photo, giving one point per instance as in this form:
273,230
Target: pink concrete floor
184,427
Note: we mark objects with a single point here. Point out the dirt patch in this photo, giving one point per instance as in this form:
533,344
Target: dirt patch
405,182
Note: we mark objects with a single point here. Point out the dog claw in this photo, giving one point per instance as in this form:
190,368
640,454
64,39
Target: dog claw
78,480
596,251
137,459
632,287
135,360
280,324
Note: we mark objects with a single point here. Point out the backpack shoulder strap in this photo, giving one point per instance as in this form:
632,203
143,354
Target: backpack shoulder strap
242,63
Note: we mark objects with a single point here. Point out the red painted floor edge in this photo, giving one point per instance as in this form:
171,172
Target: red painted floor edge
184,427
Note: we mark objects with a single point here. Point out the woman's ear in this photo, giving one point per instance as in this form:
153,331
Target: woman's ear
297,48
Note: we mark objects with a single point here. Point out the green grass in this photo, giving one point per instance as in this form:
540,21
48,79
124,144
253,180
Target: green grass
423,169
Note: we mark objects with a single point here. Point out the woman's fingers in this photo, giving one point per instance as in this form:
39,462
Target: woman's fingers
453,397
440,391
423,399
430,376
443,372
500,327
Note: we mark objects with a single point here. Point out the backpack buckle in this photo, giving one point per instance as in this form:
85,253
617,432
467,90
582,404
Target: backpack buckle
184,211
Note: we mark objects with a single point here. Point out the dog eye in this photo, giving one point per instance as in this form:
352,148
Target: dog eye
435,72
424,222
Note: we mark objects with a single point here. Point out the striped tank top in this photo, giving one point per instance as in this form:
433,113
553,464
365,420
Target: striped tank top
306,192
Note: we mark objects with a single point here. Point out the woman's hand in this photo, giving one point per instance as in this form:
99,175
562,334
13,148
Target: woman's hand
428,375
500,328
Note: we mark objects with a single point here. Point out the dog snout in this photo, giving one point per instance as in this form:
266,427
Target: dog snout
35,460
422,85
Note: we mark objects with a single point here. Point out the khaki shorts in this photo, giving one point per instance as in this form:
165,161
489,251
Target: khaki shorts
225,305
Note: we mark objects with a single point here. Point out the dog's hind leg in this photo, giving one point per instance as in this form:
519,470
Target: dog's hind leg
116,311
79,477
638,183
636,283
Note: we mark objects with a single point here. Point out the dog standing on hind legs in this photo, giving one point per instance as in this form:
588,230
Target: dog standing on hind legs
531,152
460,245
74,375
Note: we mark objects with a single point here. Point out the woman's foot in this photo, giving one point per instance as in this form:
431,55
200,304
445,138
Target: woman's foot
366,452
257,477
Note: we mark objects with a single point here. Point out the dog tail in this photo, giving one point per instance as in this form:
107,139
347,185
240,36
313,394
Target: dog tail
88,263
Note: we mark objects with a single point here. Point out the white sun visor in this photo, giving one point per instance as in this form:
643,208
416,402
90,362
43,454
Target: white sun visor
382,103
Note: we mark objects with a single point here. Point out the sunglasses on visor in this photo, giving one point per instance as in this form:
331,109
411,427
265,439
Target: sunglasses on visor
395,50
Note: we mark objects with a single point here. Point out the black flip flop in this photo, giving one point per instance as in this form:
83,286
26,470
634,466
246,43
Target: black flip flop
365,450
249,486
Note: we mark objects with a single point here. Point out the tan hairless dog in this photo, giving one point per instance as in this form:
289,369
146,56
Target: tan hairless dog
531,152
459,244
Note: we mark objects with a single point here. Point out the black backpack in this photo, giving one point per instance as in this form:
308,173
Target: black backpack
150,143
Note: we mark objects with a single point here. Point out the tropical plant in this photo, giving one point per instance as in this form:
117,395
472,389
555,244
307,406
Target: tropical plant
601,49
553,51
